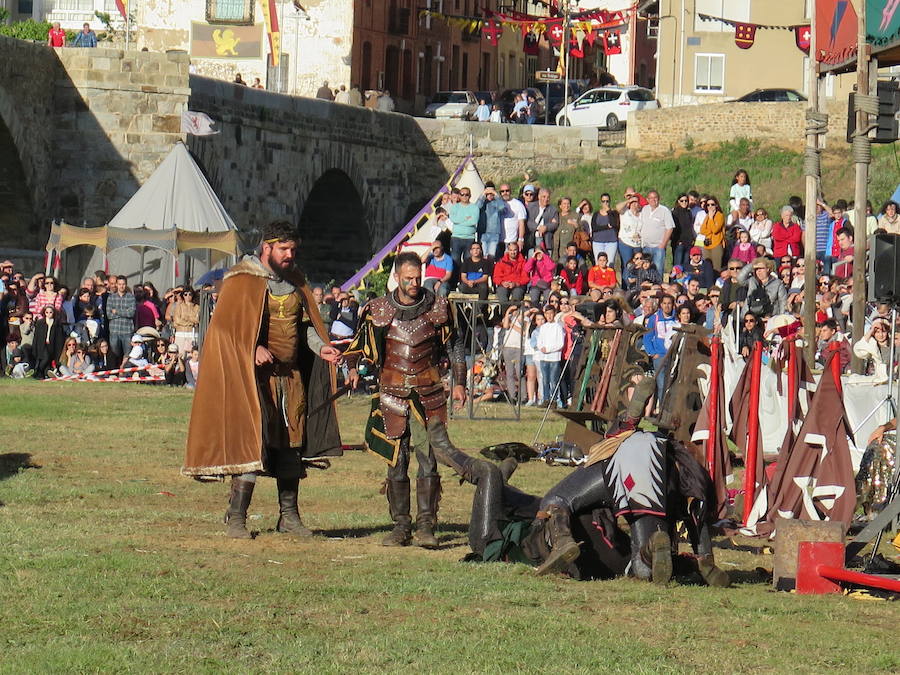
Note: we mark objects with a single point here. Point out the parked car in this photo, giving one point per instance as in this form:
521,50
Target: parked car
508,96
770,95
452,105
557,94
606,107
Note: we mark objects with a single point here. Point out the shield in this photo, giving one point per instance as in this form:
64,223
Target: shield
802,36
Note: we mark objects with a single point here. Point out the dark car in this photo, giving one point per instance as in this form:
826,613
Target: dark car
771,96
557,94
508,96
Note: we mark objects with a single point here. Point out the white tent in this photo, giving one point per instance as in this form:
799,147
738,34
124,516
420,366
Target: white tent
175,214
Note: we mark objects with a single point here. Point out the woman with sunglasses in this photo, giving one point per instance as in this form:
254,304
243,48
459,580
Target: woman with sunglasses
43,292
185,320
49,340
761,230
683,235
604,229
713,232
78,361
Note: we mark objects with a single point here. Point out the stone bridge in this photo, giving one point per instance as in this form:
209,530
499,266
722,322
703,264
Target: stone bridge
81,129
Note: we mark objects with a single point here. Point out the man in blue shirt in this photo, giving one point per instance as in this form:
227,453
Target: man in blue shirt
660,331
490,223
86,38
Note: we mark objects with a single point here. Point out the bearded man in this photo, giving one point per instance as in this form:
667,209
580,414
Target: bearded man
262,404
407,333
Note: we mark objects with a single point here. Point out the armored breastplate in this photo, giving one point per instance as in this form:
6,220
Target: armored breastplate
410,346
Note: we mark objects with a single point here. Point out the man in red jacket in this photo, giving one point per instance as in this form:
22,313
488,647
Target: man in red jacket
509,275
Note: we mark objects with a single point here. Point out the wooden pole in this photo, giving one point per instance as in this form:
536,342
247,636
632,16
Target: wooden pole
812,196
715,362
861,157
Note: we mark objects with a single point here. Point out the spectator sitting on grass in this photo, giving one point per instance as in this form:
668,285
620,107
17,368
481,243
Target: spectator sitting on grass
78,364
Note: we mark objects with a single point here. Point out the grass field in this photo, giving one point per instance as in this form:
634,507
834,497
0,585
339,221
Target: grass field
110,561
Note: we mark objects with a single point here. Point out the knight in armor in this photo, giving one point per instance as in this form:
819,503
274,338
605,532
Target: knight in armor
641,476
262,404
406,334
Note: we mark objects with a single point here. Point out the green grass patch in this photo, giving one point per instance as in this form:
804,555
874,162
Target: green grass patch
99,571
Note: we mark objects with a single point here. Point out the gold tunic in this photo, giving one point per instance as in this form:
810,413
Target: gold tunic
281,383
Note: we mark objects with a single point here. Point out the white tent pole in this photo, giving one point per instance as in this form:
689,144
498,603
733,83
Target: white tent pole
143,251
49,262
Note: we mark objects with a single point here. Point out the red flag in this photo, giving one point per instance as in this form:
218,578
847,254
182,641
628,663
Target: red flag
590,36
530,44
122,6
492,30
612,42
575,49
744,35
802,35
554,32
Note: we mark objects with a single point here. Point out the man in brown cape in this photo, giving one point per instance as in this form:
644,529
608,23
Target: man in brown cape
261,404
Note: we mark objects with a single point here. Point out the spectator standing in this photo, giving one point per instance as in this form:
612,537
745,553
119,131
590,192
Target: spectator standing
843,267
542,223
890,217
185,321
740,189
342,96
569,224
483,111
875,348
604,230
49,339
86,38
658,338
514,219
355,96
761,230
385,103
120,308
514,325
657,226
683,234
490,224
42,292
550,342
324,92
56,36
713,231
465,215
839,220
510,277
629,231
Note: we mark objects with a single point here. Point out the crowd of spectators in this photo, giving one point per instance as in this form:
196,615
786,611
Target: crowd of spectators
549,270
102,327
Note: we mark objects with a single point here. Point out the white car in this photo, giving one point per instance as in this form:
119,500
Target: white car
459,105
606,107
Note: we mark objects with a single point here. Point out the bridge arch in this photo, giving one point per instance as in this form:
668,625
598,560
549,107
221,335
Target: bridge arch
18,220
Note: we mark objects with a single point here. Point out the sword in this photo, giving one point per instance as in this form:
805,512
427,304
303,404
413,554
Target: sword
331,399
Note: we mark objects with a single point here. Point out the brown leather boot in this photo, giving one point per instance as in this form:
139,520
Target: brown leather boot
563,548
238,503
428,495
289,515
657,553
398,505
712,575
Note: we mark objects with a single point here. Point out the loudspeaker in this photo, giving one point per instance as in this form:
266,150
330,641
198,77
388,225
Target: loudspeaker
884,268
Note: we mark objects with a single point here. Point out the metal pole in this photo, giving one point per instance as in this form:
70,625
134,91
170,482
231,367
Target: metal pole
812,198
862,158
143,251
565,46
547,105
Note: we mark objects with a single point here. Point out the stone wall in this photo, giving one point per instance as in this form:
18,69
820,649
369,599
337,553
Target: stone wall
669,129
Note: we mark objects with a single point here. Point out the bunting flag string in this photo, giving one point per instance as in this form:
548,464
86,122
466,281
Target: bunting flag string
745,33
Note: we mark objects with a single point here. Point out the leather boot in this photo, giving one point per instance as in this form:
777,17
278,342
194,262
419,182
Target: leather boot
398,505
289,516
651,550
428,495
563,548
447,453
238,503
712,575
508,467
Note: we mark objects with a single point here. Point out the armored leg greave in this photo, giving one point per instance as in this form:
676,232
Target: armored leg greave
289,515
701,542
239,502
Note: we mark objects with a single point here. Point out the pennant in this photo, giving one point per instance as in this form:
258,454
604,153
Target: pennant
575,49
590,36
612,42
270,14
492,31
122,6
555,32
197,123
744,35
802,35
530,44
